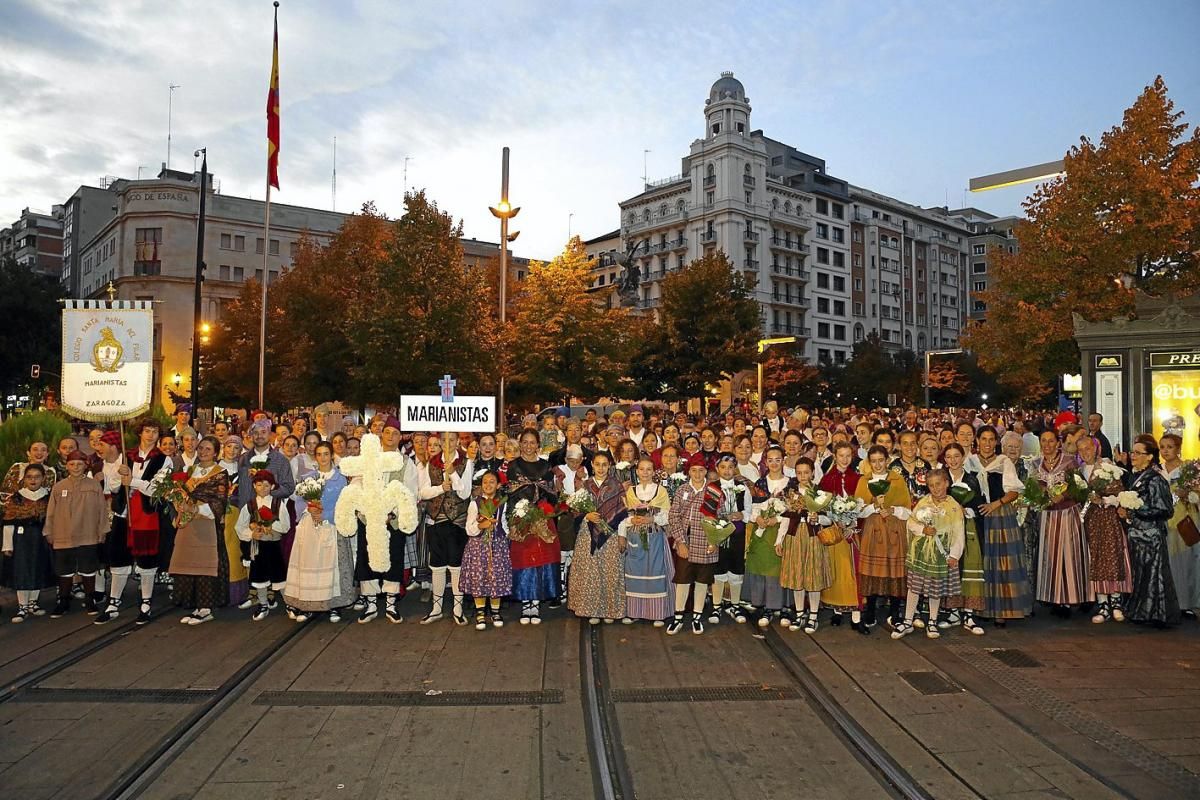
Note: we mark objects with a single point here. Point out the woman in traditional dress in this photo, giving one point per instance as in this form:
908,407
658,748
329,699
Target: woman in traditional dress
28,560
1062,577
648,566
597,588
1005,572
760,438
487,565
965,483
883,543
731,494
1185,559
934,548
763,562
1109,571
321,569
805,568
237,555
1154,598
625,465
200,561
536,556
37,453
843,594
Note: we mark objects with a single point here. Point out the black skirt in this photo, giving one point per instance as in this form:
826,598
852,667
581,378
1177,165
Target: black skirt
362,566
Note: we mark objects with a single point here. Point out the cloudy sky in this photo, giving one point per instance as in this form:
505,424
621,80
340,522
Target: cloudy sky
908,98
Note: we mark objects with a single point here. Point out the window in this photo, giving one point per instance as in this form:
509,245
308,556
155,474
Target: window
822,280
822,206
858,284
600,281
239,274
146,259
839,283
839,333
224,272
258,273
839,308
822,230
274,247
839,211
741,127
979,267
979,305
822,255
858,260
226,241
293,249
823,305
716,128
857,235
239,243
885,287
708,197
749,198
839,356
979,249
980,286
858,312
885,334
839,259
823,355
823,330
839,234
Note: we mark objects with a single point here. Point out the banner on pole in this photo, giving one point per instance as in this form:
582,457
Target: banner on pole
107,359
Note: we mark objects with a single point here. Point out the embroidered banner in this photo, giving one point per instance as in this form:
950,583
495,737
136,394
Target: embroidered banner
107,359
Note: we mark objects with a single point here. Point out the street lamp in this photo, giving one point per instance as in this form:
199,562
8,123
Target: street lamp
504,212
763,344
177,380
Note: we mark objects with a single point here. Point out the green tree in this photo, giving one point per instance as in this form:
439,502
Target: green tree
562,343
32,329
710,323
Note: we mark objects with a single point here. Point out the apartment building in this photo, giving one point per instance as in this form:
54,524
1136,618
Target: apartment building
35,240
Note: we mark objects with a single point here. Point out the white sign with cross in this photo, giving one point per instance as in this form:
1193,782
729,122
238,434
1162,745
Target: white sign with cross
375,498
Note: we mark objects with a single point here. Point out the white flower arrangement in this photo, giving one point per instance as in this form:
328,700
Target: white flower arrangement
739,489
924,515
678,476
1107,471
521,509
1194,498
1129,500
845,510
772,508
259,462
580,501
375,499
311,488
1079,481
622,465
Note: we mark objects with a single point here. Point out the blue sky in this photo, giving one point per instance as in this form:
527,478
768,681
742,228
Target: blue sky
910,99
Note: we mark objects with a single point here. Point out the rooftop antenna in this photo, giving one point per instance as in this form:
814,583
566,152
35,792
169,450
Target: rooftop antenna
171,87
333,201
570,216
645,171
406,160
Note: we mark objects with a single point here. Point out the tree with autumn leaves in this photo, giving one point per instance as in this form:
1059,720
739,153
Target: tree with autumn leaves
1123,217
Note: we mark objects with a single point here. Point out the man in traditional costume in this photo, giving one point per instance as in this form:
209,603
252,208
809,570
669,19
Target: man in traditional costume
445,485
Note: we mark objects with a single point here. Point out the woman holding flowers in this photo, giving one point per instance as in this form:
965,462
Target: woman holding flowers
648,568
320,574
763,562
487,565
1005,571
884,540
1108,549
935,544
842,594
597,587
200,561
536,555
1062,578
1154,599
1184,553
805,567
965,489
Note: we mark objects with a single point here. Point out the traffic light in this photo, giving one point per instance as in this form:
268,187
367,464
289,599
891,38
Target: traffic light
35,371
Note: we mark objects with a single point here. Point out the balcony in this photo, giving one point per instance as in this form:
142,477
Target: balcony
709,237
749,235
750,264
794,330
790,272
649,303
678,244
792,245
748,180
791,300
710,181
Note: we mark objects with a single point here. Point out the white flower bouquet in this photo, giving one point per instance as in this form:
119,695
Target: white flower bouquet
311,488
1129,501
844,511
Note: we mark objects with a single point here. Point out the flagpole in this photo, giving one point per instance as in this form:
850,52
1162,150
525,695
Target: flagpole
262,328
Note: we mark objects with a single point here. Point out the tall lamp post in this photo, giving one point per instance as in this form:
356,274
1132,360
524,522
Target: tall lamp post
929,353
504,212
763,344
196,325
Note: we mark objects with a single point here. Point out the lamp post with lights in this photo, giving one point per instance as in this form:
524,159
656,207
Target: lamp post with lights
504,212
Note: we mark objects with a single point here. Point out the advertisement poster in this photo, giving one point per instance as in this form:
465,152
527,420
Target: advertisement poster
107,356
1175,406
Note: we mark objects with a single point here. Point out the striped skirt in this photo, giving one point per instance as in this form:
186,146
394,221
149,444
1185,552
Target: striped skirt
1005,575
805,565
648,573
881,559
1062,559
928,571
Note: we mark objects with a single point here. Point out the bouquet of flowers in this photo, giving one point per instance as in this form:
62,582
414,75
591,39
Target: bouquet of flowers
1104,475
257,463
526,519
844,511
1129,500
1077,487
261,519
768,514
925,515
1034,495
879,487
171,489
1187,485
311,488
673,482
816,500
962,494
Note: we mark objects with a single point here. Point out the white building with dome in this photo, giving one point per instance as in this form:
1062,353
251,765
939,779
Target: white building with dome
831,262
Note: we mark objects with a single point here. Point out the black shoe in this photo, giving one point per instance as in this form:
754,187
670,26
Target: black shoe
697,624
61,607
676,625
836,619
555,603
111,611
864,628
143,613
77,591
90,606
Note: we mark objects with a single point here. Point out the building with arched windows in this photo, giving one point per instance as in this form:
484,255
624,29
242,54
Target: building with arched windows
831,262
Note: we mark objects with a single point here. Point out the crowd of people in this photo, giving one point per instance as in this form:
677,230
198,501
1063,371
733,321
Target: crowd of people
913,519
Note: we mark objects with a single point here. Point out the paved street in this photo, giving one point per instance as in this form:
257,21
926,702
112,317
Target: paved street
234,709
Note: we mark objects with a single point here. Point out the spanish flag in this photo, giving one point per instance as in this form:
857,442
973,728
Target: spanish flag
273,111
